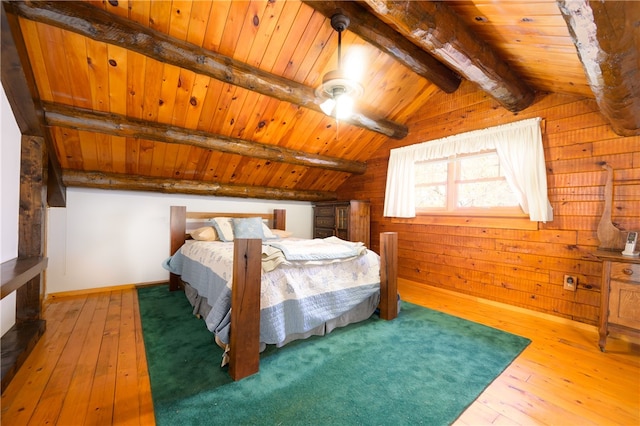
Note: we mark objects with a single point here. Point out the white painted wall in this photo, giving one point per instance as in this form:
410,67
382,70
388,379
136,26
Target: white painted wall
108,238
9,200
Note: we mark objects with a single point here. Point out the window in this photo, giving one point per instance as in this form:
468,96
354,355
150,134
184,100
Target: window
465,183
518,147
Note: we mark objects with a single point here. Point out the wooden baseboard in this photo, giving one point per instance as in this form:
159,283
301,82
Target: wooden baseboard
501,305
85,291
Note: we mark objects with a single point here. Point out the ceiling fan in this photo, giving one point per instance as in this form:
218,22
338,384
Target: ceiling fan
339,90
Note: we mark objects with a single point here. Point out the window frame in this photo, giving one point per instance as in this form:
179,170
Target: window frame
454,172
519,145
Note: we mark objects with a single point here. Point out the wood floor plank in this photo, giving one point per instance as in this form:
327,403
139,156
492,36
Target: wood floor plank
572,396
54,393
75,405
561,378
539,409
23,395
101,400
478,413
126,409
13,390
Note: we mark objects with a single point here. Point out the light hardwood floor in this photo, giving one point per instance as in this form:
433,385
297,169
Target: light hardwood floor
90,367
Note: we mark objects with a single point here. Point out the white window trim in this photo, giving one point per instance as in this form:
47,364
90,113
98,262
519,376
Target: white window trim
519,147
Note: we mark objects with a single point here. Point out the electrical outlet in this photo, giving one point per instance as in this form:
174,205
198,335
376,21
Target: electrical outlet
570,282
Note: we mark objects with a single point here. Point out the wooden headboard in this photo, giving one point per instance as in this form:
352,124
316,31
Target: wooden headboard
179,219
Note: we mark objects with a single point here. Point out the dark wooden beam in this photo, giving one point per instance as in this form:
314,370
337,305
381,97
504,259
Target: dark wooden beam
607,38
18,89
97,24
31,232
119,125
18,342
178,186
371,29
19,85
438,30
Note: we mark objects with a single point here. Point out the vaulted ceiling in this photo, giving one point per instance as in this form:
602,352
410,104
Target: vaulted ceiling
219,98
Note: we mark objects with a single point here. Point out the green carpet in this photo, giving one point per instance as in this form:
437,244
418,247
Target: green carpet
424,367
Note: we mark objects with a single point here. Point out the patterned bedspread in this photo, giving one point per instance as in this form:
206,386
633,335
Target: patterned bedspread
296,296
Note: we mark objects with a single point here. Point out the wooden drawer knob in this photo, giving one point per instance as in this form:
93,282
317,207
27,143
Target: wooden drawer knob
627,271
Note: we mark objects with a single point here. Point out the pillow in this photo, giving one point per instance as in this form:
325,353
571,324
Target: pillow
224,228
250,227
280,233
268,234
206,233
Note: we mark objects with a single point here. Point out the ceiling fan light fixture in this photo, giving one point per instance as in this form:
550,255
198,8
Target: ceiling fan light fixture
336,83
327,106
340,90
344,107
341,93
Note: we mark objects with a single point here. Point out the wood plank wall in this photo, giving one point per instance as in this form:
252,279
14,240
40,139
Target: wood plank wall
520,267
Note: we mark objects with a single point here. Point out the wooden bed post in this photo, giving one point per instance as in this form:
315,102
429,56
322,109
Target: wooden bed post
388,275
279,219
178,229
244,353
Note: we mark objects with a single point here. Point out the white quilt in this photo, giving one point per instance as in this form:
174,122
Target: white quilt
296,296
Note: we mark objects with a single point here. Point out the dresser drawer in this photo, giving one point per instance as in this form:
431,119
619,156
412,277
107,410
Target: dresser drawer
323,233
625,272
325,211
624,304
343,234
325,222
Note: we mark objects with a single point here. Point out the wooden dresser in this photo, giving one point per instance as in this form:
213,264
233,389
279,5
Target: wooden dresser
349,220
620,295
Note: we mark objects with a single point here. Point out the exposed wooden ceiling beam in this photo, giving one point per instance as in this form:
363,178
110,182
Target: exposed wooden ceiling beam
119,125
371,29
97,24
14,80
178,186
438,30
19,86
607,37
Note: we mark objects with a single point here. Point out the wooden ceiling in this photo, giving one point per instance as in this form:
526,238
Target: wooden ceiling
218,97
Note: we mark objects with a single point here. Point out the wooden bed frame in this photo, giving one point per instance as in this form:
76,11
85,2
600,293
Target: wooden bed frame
244,353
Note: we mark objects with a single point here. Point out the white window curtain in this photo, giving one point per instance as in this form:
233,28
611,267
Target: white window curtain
519,148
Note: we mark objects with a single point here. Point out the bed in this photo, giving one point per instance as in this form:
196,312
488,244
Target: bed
253,290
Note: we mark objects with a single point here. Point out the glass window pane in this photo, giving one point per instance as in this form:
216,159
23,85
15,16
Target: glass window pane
432,196
431,172
479,167
486,194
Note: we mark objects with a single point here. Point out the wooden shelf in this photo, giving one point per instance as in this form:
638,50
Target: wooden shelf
17,272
